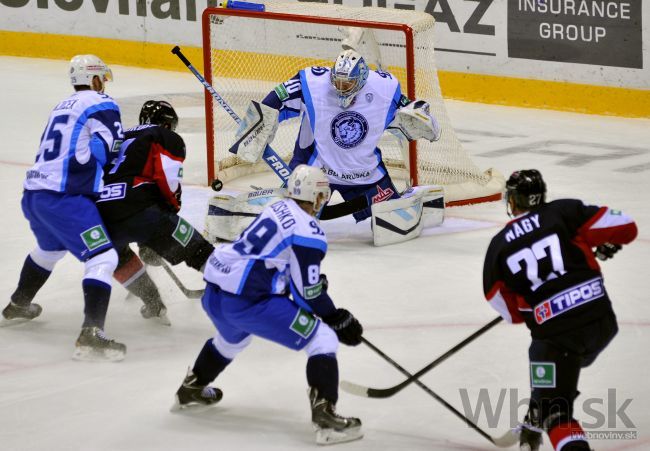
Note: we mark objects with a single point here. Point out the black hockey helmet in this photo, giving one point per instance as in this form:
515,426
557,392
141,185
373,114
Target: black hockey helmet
526,188
158,112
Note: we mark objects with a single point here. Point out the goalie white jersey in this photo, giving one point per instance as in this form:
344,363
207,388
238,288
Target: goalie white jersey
280,251
82,133
341,141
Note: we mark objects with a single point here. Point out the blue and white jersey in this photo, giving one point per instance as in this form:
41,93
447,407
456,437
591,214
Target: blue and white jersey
280,251
343,140
82,133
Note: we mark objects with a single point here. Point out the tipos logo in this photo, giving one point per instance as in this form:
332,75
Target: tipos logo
348,129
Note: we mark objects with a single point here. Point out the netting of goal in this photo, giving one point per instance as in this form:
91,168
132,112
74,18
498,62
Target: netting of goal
247,54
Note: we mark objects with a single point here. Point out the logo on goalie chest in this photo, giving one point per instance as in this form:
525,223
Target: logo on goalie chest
348,129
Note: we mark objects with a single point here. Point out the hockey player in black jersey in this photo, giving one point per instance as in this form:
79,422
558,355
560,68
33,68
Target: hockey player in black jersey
140,202
541,269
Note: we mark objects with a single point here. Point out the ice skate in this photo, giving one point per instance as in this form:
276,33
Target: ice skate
94,345
530,437
192,394
331,427
157,313
16,314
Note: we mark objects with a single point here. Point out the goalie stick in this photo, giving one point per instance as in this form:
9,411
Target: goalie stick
368,392
191,294
270,156
505,441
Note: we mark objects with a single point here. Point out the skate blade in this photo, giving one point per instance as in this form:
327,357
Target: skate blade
332,436
163,320
4,322
192,407
88,354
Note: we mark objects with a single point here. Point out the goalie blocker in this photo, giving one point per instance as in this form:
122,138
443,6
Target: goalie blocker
256,130
403,219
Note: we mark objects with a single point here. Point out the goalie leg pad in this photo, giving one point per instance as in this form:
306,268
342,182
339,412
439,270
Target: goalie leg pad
398,220
255,132
228,216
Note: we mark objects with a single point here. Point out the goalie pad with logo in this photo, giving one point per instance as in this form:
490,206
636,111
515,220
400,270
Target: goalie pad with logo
256,130
415,121
398,220
228,215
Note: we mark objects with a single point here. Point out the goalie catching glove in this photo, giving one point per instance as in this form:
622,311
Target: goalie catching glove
414,121
347,327
255,132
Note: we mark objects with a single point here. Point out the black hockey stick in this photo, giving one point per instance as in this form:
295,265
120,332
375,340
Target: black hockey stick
192,294
368,392
506,440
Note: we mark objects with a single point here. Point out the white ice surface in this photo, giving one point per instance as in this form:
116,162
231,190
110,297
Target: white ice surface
415,299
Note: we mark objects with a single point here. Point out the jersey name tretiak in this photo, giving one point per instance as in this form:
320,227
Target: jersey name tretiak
345,142
541,268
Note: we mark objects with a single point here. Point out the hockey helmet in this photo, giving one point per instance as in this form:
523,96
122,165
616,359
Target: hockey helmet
159,112
83,68
307,183
525,189
348,75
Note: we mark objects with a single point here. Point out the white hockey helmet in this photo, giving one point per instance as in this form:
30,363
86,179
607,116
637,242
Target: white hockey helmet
348,75
307,183
84,67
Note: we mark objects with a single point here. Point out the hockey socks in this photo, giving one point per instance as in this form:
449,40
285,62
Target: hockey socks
32,278
96,297
323,374
568,437
209,364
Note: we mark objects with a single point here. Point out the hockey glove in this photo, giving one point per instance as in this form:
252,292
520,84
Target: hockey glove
606,251
150,257
346,326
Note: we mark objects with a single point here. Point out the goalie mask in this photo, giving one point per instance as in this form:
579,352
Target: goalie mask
307,183
348,75
158,112
83,68
525,190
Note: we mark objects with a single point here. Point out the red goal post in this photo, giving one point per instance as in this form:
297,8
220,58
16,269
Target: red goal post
248,53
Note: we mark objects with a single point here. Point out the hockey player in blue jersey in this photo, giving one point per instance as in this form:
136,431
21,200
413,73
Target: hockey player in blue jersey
268,283
82,133
345,110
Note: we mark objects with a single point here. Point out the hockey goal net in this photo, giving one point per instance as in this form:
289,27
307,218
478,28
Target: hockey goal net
247,54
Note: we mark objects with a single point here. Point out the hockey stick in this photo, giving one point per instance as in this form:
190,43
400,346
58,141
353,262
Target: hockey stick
506,440
192,294
270,156
368,392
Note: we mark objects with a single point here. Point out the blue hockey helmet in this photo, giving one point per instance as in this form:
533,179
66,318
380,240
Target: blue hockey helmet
348,75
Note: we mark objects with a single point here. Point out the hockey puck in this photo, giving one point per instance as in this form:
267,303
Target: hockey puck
216,185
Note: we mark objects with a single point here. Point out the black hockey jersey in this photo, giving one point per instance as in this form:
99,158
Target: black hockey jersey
147,171
541,268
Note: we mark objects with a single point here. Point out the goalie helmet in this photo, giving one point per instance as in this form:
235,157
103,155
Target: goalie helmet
525,190
158,112
83,68
348,75
307,183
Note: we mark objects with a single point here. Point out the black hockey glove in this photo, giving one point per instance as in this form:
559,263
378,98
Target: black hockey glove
149,256
606,251
346,326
